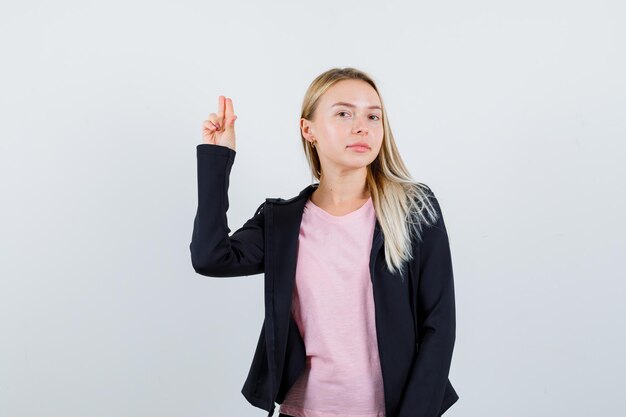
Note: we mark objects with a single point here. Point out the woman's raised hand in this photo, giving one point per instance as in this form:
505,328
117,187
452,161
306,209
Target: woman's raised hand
219,129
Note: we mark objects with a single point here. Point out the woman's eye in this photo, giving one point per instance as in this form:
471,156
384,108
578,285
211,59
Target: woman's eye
344,112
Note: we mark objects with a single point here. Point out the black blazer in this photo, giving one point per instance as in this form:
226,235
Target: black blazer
415,317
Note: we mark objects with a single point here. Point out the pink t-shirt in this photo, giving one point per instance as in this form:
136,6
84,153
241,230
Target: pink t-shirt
333,306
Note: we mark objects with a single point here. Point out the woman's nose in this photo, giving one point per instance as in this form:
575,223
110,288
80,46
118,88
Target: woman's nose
359,125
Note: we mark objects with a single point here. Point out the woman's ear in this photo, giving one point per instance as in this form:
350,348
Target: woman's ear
306,129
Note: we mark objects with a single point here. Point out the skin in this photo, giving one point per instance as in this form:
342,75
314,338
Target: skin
219,128
342,186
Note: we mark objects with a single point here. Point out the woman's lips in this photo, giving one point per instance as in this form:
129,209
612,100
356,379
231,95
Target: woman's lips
359,148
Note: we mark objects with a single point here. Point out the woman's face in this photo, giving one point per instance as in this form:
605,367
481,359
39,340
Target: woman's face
349,112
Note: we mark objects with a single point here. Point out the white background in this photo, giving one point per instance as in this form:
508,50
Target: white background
512,111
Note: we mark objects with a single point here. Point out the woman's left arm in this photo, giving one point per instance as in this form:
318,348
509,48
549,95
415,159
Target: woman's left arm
425,392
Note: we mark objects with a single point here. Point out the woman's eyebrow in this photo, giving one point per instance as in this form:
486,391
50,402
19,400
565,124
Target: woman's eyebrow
343,103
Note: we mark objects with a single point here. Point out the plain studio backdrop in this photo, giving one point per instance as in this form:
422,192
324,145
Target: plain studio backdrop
513,112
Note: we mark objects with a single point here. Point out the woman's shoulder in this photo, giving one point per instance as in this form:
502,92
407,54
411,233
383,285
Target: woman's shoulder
304,193
425,209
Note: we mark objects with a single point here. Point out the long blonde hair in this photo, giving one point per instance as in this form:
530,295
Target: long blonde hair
402,205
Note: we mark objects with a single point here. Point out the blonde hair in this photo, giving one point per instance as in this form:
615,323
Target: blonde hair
402,205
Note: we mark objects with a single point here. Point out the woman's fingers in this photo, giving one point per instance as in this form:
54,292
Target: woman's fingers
220,110
225,116
219,128
208,135
229,117
210,125
214,119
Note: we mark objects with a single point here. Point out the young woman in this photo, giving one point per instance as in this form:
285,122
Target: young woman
359,291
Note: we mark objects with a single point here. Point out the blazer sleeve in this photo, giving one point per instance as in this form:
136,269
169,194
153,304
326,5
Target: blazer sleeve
425,393
213,252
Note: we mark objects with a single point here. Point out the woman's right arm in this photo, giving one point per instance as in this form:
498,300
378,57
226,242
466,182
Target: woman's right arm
213,252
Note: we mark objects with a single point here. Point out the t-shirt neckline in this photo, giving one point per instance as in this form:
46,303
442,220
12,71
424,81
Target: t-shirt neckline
338,219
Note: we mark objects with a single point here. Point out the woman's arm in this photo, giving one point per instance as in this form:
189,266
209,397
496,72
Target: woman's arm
426,387
213,252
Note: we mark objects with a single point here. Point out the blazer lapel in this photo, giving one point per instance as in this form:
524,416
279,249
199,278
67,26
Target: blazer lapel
283,229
